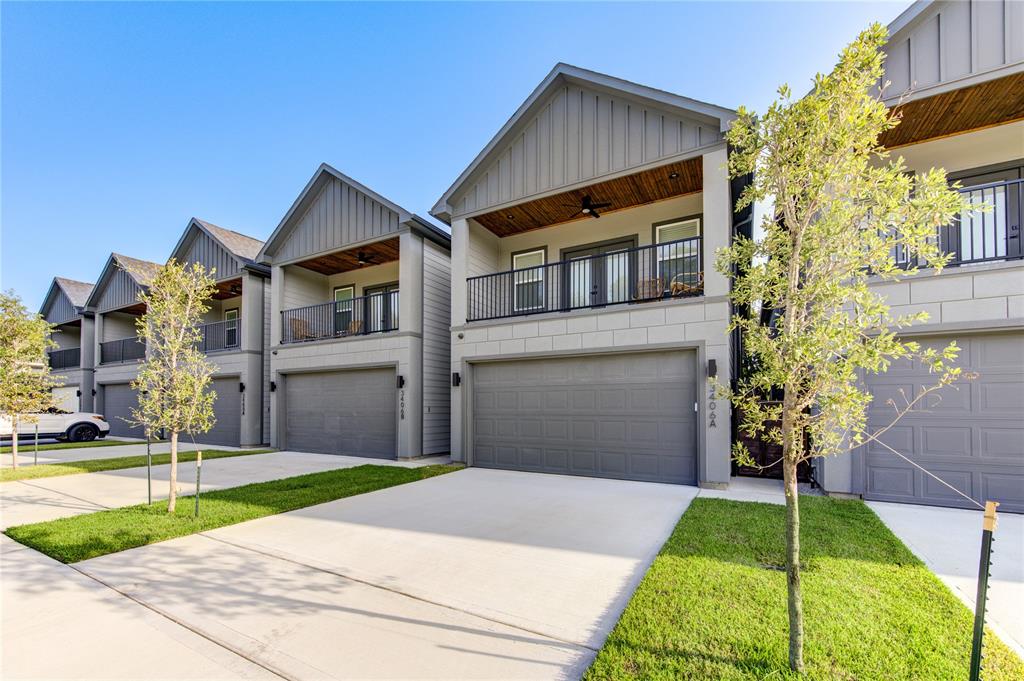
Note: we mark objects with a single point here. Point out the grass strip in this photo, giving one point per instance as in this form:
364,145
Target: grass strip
27,446
713,604
70,540
50,470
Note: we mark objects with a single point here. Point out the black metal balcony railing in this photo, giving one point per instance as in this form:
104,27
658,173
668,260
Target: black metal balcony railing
69,358
122,350
647,273
220,336
983,236
377,313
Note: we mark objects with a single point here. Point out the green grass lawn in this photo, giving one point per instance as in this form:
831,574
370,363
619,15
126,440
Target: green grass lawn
70,540
50,470
713,604
27,447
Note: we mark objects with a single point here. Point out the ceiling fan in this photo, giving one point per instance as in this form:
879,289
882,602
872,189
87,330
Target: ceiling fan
587,207
364,258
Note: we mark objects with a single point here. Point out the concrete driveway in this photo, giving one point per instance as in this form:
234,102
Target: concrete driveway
31,501
475,574
948,540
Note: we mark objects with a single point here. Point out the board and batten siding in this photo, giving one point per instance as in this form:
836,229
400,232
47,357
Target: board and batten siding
60,310
580,134
119,291
211,255
953,40
339,215
436,349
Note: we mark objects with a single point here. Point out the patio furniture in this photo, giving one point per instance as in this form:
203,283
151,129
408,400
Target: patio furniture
686,285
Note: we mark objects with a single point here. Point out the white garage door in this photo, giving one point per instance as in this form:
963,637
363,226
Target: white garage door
628,416
972,438
342,412
66,398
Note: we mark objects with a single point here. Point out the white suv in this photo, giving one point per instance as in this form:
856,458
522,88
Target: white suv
79,426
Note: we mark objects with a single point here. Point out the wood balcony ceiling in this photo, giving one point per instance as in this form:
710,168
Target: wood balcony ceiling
979,106
629,191
228,289
376,253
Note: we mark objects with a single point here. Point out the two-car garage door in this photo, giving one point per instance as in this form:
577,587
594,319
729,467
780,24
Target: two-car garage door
627,416
342,412
971,437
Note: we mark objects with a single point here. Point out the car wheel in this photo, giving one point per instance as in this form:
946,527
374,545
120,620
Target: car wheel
83,433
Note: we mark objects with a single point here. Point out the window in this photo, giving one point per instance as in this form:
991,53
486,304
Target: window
679,251
343,296
528,281
231,328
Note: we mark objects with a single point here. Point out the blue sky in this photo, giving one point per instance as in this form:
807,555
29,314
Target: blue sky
121,121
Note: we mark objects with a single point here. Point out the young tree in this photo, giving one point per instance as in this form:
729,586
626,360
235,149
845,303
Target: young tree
26,383
842,208
174,379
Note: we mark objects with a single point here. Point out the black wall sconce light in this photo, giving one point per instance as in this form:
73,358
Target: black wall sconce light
456,379
712,368
241,387
94,392
78,393
401,382
273,386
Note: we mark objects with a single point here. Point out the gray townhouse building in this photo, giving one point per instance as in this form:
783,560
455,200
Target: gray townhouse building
587,319
235,330
74,334
359,324
117,351
956,74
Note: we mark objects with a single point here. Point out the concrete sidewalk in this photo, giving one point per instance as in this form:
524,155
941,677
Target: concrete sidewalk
59,624
948,540
44,499
476,574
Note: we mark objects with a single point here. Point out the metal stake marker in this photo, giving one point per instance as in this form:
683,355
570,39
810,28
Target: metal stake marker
35,460
199,469
988,527
149,471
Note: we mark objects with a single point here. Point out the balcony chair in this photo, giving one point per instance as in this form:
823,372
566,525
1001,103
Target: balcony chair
683,284
301,330
649,289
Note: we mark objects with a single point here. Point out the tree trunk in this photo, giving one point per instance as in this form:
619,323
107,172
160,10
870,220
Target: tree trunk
14,442
172,496
790,457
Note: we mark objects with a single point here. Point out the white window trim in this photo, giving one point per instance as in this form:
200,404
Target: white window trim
532,277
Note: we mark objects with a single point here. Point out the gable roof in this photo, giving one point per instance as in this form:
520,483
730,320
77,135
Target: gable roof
75,294
243,247
224,250
140,272
76,291
565,74
324,175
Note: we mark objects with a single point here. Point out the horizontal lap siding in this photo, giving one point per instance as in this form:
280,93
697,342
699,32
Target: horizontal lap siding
436,349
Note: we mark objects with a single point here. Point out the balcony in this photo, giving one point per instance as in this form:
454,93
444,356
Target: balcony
70,358
219,336
635,275
988,236
122,350
377,313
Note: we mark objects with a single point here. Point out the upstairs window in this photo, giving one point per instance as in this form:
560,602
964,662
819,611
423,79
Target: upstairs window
528,281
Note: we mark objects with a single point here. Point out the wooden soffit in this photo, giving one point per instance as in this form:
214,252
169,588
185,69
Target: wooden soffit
376,253
656,184
978,106
232,288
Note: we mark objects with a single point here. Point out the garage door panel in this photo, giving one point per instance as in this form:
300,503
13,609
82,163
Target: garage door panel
342,412
227,408
619,416
971,435
119,400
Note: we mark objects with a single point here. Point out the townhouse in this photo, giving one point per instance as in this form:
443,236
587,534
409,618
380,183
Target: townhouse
587,319
956,74
74,334
234,332
117,350
359,356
